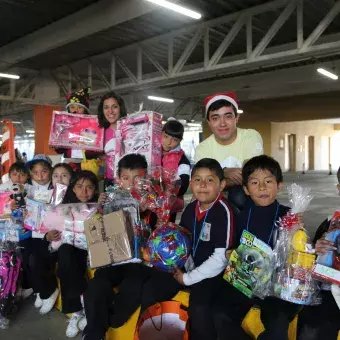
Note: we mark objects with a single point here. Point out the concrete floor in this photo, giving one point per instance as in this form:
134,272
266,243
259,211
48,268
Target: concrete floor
29,325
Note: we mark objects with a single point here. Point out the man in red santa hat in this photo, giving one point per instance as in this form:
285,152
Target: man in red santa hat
229,145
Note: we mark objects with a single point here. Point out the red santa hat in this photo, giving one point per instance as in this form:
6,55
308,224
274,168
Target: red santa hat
228,96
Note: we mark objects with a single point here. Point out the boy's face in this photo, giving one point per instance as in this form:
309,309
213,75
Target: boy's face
18,177
41,174
169,143
262,187
127,177
206,186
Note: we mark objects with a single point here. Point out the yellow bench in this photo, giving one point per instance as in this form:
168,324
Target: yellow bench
251,324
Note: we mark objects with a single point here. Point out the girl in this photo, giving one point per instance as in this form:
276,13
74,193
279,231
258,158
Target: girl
72,262
110,109
42,262
174,158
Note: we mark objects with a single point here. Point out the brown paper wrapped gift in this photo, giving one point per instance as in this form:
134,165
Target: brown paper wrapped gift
109,238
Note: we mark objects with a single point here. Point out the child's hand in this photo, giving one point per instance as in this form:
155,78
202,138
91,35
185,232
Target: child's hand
14,205
102,198
322,247
178,276
53,235
228,253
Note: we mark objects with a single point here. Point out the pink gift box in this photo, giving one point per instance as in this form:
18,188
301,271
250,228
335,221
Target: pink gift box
5,203
140,133
75,131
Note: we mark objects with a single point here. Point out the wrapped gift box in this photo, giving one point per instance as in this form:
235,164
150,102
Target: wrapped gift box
110,238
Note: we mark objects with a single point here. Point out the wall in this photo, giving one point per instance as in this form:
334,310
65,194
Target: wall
321,132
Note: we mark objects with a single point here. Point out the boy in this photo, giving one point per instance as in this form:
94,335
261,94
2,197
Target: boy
99,297
321,321
210,221
18,173
262,180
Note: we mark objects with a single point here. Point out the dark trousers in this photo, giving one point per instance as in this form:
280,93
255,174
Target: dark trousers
72,265
160,286
276,315
38,267
230,308
42,264
320,322
201,301
138,285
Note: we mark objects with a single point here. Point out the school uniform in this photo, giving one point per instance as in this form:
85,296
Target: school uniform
276,314
320,321
212,232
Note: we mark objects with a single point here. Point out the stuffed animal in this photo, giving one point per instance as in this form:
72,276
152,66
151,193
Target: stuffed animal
19,195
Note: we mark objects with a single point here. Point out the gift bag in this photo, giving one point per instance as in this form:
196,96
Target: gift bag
294,257
163,321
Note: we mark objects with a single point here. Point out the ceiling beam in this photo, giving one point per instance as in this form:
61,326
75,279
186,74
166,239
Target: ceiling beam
92,19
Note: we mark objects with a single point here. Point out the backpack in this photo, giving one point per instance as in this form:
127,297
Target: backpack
10,265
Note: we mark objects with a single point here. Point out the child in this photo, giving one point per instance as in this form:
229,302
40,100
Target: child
174,158
321,321
210,221
72,261
42,262
262,180
40,169
111,107
18,173
104,309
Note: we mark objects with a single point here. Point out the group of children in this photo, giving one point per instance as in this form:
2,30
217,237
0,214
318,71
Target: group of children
216,309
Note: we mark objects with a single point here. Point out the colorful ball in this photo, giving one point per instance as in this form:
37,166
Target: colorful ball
169,247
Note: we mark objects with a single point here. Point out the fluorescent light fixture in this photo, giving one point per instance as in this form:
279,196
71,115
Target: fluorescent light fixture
11,76
0,136
239,111
194,124
160,99
13,122
327,73
30,131
177,8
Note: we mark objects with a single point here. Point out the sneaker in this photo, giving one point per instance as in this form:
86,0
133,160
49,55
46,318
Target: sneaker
38,302
72,328
25,293
48,304
4,323
82,323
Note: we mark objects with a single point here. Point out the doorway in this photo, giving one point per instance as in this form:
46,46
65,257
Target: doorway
311,159
291,152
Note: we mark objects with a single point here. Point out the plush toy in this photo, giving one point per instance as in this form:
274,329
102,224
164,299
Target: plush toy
19,195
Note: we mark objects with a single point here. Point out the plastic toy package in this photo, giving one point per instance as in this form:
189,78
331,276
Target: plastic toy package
327,268
67,218
5,202
9,235
72,131
293,256
168,247
140,133
250,266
